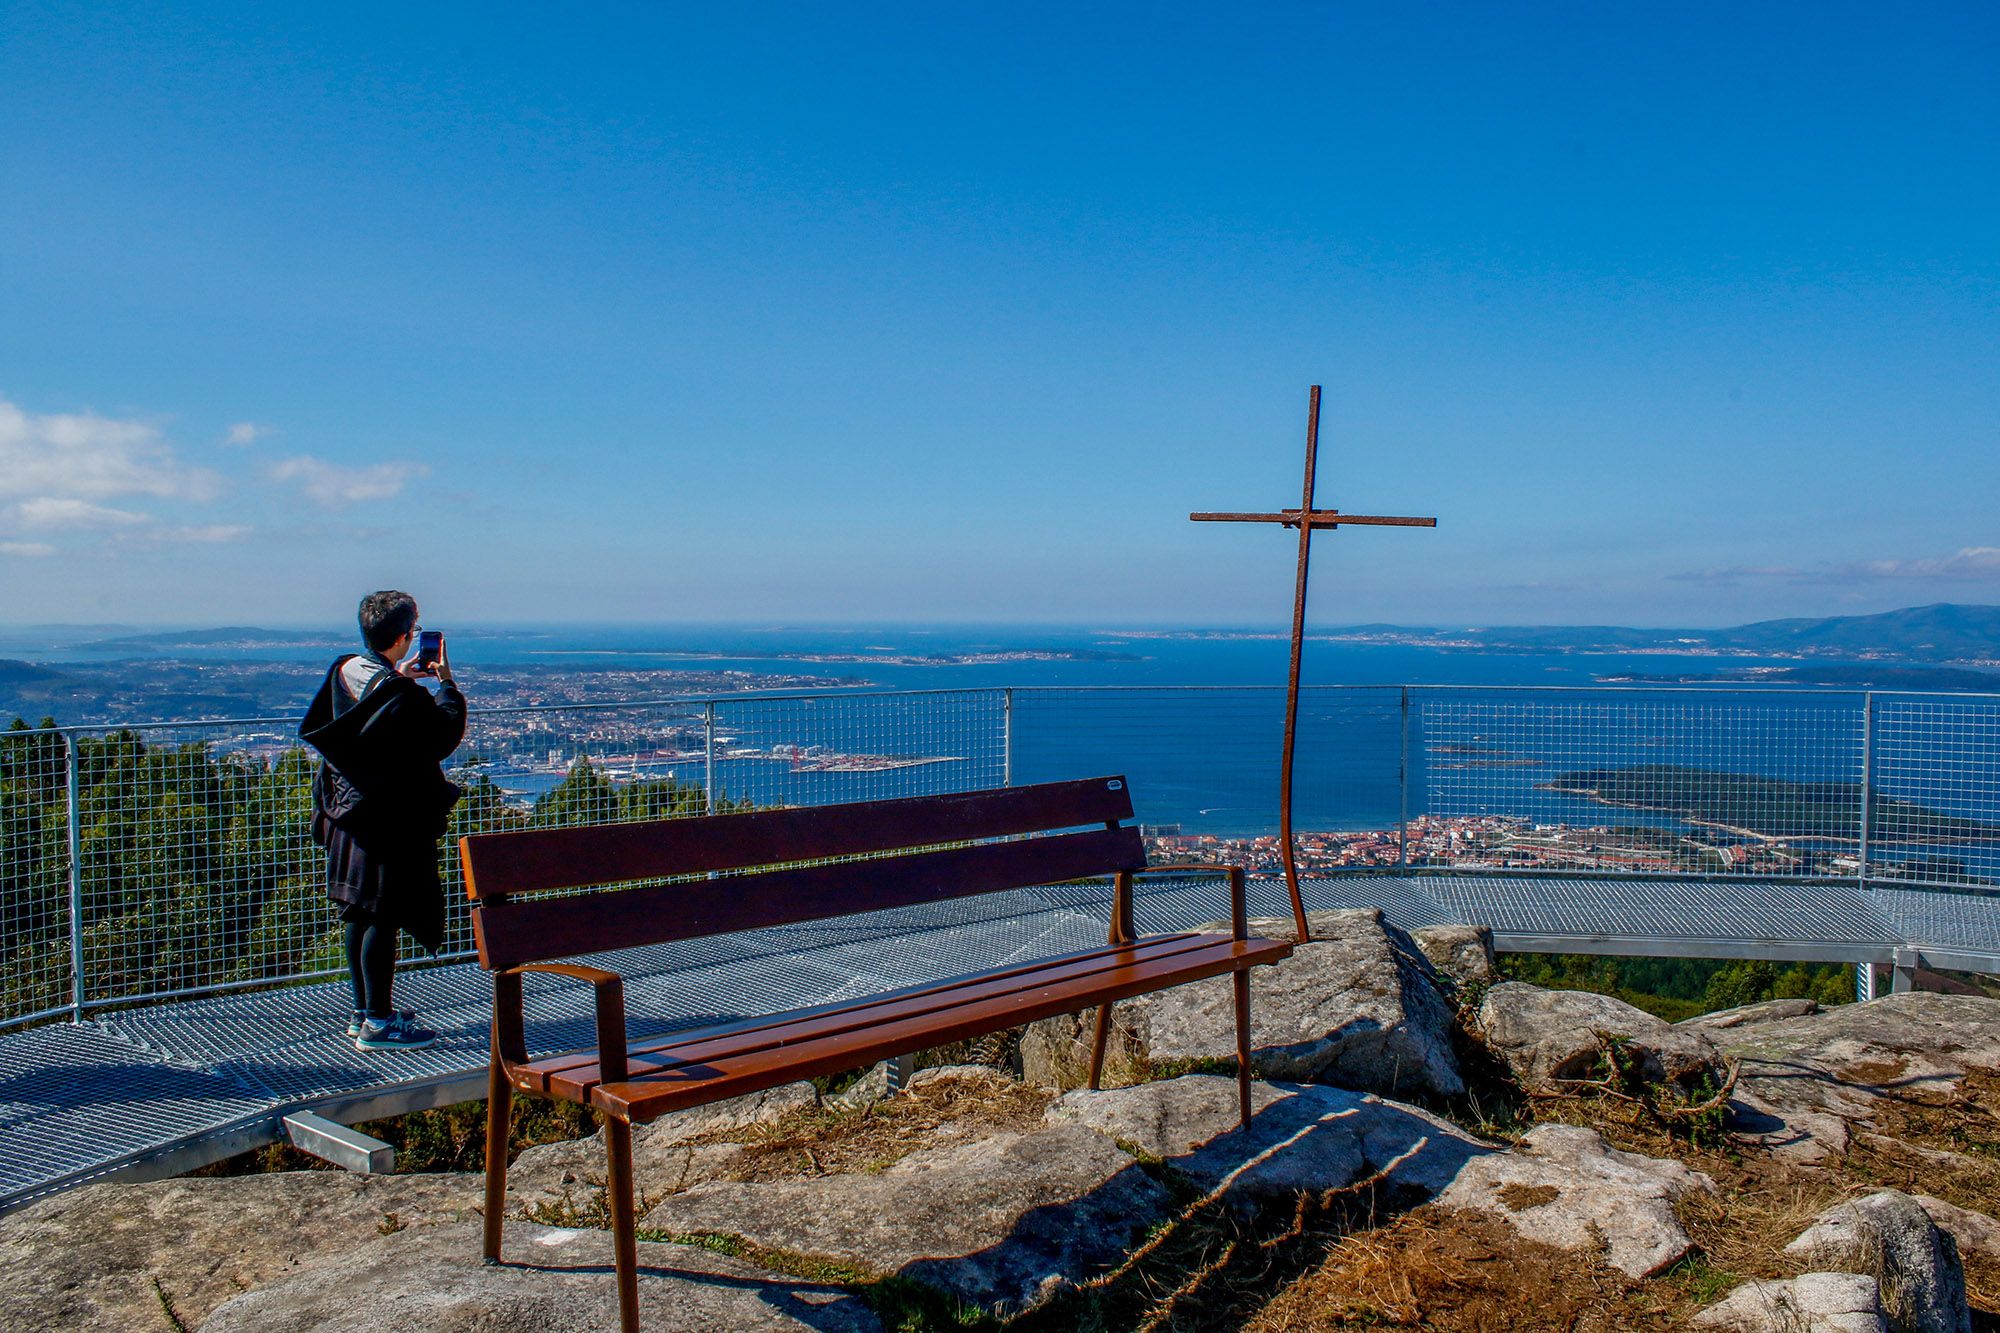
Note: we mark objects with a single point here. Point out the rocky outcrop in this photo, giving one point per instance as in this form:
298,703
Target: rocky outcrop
553,1281
1462,953
117,1257
1890,1236
1806,1081
1302,1137
1359,1006
999,1223
997,1195
1002,1220
569,1176
1976,1233
1564,1187
1549,1036
1814,1303
1749,1015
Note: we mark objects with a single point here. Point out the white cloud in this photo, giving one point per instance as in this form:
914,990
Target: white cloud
245,433
53,513
86,456
202,533
60,471
1971,564
331,485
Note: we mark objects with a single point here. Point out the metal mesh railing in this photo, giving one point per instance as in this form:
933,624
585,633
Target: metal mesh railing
189,865
1639,781
1935,788
1203,763
823,749
36,976
194,869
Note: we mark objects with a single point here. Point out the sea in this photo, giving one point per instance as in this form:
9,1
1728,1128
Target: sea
1482,732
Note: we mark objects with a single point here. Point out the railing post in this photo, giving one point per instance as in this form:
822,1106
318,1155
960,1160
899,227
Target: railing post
1867,782
1403,786
73,802
708,756
1007,737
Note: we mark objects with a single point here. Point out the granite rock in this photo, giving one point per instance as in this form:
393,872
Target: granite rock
1890,1236
1462,953
1814,1303
1359,1006
1749,1015
1302,1137
1563,1186
999,1222
91,1258
553,1281
1552,1036
569,1176
1808,1082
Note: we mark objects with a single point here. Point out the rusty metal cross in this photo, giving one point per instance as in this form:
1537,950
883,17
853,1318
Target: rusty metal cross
1306,519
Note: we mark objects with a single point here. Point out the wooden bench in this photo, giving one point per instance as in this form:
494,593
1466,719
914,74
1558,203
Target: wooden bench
772,868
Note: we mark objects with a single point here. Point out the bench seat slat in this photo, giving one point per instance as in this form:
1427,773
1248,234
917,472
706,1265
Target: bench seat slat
532,930
648,1098
533,860
704,1068
819,1020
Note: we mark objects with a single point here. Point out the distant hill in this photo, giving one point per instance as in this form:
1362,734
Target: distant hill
1941,632
30,690
229,636
16,674
1944,632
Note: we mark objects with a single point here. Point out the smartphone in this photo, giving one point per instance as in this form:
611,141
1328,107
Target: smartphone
430,647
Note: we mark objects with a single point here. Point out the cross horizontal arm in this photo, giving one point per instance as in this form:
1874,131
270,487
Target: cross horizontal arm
1318,518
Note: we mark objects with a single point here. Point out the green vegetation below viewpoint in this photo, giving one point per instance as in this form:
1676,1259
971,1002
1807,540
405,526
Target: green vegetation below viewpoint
1678,988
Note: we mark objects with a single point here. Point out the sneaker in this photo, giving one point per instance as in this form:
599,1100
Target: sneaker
361,1016
397,1032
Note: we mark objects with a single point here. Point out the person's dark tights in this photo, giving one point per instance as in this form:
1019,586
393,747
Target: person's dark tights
371,966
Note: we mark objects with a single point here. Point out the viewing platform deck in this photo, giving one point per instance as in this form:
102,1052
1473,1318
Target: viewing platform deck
161,1088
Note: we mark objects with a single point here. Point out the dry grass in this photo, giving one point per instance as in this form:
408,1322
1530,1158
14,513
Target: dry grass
1455,1273
1912,1127
833,1140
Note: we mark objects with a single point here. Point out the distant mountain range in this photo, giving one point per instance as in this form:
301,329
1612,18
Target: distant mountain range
1942,633
229,636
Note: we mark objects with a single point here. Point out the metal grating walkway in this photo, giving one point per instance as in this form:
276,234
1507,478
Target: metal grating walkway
156,1090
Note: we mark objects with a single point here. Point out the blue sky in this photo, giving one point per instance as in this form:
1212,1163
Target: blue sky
1672,315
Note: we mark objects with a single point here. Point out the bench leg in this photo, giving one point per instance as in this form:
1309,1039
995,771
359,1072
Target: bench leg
499,1120
1098,1042
1241,980
625,1245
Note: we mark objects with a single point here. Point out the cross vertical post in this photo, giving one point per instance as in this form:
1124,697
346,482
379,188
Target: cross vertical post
1305,518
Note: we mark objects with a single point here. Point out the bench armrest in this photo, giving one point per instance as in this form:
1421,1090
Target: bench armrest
509,1028
1239,921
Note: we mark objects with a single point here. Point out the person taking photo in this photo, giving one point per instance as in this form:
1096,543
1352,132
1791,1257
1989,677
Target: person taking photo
381,802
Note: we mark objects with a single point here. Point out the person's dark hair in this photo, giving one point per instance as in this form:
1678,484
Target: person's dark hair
386,617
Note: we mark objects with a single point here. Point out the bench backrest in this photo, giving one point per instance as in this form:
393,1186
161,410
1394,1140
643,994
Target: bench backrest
767,847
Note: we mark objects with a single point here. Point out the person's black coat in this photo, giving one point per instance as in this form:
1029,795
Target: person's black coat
381,799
